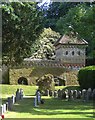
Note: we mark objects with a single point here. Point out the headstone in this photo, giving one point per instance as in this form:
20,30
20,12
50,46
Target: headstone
79,94
17,95
55,94
59,93
70,95
75,94
89,94
13,99
93,95
35,101
47,92
66,92
39,97
63,95
10,103
52,93
84,94
4,108
21,94
1,110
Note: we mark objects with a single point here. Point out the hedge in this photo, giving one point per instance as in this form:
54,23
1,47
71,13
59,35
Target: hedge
86,77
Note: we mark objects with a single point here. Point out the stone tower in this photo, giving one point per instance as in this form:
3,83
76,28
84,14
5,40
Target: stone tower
71,51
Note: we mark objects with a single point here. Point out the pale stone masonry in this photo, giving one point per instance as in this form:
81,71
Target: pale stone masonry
70,50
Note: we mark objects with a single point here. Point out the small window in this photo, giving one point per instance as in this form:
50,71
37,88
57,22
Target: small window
66,52
78,52
72,52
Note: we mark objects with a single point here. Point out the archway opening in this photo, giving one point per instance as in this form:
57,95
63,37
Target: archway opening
23,81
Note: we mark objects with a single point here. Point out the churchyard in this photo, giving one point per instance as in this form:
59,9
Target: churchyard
56,105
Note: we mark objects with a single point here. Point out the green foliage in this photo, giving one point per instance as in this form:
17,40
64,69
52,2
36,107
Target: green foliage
80,20
21,25
43,48
86,77
46,82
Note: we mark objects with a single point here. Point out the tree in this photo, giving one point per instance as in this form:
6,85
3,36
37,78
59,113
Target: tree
55,11
46,82
80,20
21,25
43,47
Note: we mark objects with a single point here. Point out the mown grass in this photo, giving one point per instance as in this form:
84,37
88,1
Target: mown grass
52,108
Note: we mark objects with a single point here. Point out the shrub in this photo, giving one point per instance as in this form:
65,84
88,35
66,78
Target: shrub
46,82
86,77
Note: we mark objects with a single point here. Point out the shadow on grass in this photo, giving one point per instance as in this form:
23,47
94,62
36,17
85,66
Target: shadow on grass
54,106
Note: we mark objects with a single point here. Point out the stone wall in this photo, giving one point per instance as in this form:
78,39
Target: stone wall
33,73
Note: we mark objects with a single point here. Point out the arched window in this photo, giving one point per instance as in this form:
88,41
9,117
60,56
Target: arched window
72,52
66,52
23,80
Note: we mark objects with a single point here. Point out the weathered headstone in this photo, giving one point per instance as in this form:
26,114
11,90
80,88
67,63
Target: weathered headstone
84,95
59,93
35,101
89,94
21,94
39,97
1,110
4,108
10,103
79,94
75,94
66,92
55,94
93,95
13,99
63,95
70,95
47,93
17,95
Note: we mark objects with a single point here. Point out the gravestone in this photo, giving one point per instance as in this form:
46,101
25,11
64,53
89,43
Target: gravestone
79,94
55,94
63,95
84,95
17,95
47,93
70,95
66,92
89,94
59,93
39,97
93,95
10,103
21,93
75,94
1,110
13,99
4,108
35,101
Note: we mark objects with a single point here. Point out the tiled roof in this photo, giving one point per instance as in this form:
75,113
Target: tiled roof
65,39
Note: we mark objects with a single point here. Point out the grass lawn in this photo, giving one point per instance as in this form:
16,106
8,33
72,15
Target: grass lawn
53,107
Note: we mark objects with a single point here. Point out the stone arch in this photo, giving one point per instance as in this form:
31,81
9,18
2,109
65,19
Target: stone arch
23,80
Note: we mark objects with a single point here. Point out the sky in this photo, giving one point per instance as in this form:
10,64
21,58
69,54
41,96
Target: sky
43,2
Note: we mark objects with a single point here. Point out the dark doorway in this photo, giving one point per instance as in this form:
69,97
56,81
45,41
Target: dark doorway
22,81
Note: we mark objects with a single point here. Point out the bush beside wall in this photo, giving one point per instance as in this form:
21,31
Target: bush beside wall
86,77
